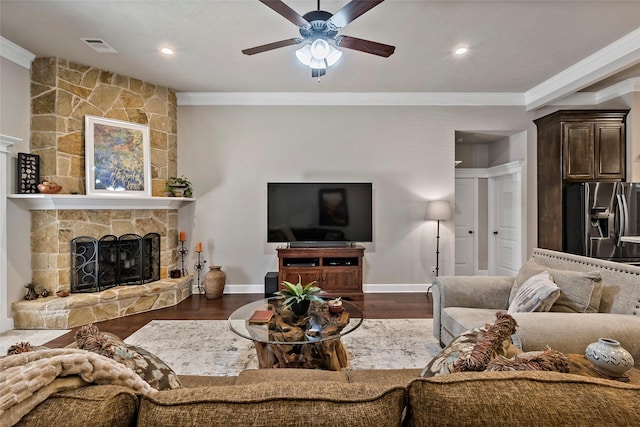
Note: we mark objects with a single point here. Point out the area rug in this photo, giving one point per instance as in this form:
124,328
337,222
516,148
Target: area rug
32,336
208,347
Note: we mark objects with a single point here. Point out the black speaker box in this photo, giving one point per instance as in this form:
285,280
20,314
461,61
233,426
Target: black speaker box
270,283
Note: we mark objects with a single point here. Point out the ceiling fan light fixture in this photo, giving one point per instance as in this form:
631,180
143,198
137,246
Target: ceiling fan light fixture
304,54
318,55
318,64
320,49
334,56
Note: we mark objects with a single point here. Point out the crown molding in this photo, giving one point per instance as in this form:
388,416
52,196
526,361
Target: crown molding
15,53
615,57
491,172
618,90
350,99
439,99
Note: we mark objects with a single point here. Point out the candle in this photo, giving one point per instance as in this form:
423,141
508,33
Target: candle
183,236
199,247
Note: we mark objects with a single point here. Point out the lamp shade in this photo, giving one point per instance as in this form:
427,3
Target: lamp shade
439,210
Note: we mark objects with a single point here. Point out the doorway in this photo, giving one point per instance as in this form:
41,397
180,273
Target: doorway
489,194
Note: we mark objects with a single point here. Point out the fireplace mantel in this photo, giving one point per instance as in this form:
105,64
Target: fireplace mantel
39,202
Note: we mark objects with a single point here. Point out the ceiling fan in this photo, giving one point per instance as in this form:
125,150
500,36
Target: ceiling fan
319,31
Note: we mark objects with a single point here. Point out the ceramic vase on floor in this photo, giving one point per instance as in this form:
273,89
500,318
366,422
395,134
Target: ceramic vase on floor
608,357
214,282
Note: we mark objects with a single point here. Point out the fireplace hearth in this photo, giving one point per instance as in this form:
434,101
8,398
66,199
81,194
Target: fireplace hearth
99,264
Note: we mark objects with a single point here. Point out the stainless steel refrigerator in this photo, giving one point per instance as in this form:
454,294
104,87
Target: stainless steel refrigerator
596,215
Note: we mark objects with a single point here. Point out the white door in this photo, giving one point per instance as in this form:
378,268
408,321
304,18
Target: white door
505,224
465,215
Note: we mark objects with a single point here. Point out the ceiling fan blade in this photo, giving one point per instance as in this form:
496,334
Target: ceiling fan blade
271,46
285,11
351,11
365,46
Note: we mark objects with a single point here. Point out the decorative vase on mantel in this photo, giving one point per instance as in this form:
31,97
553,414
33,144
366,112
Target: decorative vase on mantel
609,357
214,282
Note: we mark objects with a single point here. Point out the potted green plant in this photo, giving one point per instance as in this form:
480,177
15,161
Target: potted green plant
297,296
179,186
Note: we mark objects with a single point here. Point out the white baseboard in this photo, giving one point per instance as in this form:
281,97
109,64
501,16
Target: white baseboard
398,288
6,324
366,288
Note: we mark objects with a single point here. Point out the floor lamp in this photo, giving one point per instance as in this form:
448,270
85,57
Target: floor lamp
438,210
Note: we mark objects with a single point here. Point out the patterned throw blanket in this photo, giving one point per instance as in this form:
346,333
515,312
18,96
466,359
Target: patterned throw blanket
27,379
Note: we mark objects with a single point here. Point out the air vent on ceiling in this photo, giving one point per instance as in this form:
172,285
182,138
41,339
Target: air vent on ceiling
99,46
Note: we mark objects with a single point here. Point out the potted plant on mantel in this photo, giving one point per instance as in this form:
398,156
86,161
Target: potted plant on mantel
179,187
297,297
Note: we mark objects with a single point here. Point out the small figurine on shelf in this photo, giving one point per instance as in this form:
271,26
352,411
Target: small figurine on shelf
48,187
31,292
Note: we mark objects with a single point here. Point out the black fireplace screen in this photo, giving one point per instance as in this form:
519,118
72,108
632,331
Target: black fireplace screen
99,264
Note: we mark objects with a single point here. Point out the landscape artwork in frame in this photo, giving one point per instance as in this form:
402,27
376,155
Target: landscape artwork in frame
117,158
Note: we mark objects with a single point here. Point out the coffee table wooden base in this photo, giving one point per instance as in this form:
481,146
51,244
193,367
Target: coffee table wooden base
329,355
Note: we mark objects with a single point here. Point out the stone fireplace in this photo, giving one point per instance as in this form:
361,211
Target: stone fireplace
100,264
62,93
52,233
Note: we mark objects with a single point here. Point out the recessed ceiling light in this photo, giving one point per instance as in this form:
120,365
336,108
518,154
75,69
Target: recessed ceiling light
461,50
167,51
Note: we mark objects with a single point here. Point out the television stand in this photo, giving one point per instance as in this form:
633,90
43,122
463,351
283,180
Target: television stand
337,270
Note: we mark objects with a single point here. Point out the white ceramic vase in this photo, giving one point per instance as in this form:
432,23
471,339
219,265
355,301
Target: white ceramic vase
608,357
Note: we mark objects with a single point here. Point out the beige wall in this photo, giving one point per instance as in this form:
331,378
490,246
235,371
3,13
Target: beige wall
230,153
14,121
633,137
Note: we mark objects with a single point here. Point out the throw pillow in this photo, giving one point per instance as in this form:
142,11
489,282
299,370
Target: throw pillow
463,347
147,365
538,293
547,360
23,347
580,291
496,341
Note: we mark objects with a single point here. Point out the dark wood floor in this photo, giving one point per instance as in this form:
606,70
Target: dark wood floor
197,307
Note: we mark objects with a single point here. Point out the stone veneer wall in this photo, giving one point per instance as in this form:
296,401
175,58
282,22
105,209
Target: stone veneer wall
62,93
81,309
52,231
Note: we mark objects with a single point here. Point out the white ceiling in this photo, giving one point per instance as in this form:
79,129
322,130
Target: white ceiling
516,46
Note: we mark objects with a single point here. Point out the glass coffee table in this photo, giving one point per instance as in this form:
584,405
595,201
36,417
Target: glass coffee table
288,341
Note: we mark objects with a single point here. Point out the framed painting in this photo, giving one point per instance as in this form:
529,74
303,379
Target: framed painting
117,157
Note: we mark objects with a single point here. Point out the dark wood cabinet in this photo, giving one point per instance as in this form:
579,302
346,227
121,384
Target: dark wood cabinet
575,146
593,151
336,270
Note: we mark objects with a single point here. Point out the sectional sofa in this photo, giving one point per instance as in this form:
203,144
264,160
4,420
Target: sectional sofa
364,398
598,299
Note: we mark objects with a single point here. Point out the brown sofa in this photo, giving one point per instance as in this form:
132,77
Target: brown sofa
292,397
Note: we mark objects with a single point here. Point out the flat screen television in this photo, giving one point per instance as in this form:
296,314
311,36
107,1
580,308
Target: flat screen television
319,213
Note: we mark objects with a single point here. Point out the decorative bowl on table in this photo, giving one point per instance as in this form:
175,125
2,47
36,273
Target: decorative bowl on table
335,305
